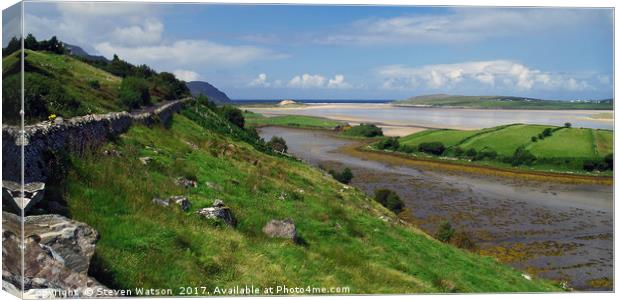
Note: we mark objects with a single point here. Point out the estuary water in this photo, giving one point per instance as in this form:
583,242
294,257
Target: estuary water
453,118
551,230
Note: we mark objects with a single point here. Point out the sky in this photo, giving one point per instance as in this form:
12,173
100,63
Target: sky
349,52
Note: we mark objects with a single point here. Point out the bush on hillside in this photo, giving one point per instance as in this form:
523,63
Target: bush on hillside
233,115
471,152
463,240
547,132
534,139
42,96
390,200
568,125
436,148
458,151
277,144
365,130
390,143
444,232
170,87
343,177
609,160
52,45
522,157
486,154
134,92
406,148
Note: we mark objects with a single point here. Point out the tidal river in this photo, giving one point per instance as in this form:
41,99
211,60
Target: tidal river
452,118
548,229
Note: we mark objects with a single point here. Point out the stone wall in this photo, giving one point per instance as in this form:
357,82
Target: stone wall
75,135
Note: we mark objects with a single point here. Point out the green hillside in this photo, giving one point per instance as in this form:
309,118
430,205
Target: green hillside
259,120
67,86
346,239
501,102
564,149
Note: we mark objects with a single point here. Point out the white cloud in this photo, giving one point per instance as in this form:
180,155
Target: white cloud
186,75
461,25
495,73
188,53
147,34
338,82
307,81
260,80
318,81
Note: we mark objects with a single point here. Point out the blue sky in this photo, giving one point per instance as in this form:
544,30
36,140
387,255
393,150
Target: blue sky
349,52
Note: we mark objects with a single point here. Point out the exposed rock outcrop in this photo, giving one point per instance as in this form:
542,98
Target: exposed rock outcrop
181,201
219,211
281,229
57,254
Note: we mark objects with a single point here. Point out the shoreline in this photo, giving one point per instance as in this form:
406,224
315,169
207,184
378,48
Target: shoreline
363,152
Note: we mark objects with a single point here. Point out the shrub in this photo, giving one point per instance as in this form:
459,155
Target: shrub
547,132
406,148
522,156
609,161
365,130
233,115
541,136
589,165
458,151
471,152
486,153
390,200
436,148
444,232
390,143
534,139
568,125
344,177
94,84
134,92
277,144
463,240
170,87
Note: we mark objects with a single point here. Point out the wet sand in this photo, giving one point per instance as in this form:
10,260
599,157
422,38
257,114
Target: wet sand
553,230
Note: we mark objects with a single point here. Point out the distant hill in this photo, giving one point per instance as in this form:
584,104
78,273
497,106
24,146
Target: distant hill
204,88
501,102
79,52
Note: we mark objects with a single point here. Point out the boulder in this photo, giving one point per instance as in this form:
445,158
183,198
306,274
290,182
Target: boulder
281,229
57,253
146,160
186,183
161,202
218,212
181,201
218,203
12,199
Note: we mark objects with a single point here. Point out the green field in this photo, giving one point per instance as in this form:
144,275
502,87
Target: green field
506,140
259,120
500,102
344,241
448,137
565,150
574,142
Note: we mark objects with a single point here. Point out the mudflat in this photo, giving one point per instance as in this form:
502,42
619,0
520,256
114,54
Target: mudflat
550,229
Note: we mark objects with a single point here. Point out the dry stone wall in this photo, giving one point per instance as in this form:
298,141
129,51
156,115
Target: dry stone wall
75,135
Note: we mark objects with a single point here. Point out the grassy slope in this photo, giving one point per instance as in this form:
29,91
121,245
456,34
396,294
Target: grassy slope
75,77
576,142
347,244
498,102
506,140
448,137
258,120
